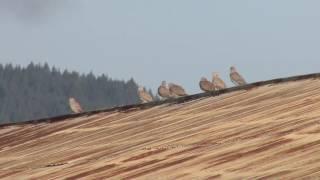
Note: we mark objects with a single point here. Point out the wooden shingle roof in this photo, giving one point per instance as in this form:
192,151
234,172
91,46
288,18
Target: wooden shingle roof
262,130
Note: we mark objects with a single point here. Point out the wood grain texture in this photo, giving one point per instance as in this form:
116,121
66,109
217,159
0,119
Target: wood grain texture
267,132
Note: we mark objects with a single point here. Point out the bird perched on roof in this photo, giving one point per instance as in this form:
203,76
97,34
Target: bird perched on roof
145,97
75,105
236,78
164,91
206,85
218,82
176,90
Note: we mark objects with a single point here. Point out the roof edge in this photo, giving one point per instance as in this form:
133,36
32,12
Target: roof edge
169,101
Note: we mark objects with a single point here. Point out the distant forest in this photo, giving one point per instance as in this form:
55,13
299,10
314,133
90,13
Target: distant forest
39,91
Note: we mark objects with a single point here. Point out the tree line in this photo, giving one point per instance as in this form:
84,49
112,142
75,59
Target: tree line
40,91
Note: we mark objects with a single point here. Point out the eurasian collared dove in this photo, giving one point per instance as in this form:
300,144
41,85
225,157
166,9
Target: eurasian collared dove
206,85
177,90
145,97
164,91
236,78
75,105
218,82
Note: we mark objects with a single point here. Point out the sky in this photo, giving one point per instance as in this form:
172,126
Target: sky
174,40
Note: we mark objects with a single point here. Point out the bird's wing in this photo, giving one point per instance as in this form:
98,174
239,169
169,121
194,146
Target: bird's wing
219,83
233,81
72,107
222,83
202,86
141,96
146,96
76,107
80,108
237,79
206,86
179,90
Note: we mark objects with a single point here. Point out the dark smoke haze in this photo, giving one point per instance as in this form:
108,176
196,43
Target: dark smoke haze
30,10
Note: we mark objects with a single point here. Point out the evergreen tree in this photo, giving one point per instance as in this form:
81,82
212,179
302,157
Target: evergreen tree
38,91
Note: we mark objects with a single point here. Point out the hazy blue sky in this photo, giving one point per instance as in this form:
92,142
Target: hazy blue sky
174,40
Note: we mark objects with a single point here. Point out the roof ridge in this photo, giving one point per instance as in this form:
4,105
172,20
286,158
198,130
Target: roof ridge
169,101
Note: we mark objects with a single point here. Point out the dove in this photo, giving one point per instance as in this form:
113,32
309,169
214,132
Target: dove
75,105
236,78
206,85
218,82
145,97
164,91
176,90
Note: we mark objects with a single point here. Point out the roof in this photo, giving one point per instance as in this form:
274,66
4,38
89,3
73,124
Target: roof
263,130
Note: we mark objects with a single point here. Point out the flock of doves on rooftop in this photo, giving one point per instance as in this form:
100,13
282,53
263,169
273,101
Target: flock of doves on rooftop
174,91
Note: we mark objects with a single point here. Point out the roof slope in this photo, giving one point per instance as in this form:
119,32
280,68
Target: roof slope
269,131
